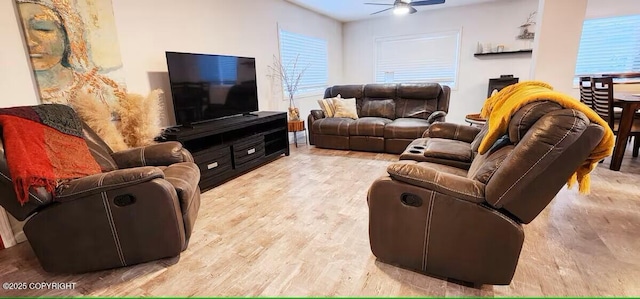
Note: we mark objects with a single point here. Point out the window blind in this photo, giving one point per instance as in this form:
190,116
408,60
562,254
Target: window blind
311,54
609,45
429,57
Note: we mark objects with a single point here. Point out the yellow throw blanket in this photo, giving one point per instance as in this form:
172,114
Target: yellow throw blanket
499,109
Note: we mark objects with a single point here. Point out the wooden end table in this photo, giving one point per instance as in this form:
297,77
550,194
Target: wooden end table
296,126
475,119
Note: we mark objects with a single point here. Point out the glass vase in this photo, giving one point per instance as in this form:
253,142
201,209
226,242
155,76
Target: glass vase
294,114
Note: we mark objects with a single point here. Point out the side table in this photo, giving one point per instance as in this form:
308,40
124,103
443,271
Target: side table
296,126
475,119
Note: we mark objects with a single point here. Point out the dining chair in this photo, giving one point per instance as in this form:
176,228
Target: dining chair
603,103
586,94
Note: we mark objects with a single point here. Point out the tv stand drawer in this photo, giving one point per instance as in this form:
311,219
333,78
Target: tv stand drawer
248,149
214,162
211,153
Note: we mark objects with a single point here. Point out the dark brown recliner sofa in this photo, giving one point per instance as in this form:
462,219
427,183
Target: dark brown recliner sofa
416,107
141,208
467,224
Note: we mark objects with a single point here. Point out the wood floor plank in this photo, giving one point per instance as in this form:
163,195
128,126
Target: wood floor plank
299,227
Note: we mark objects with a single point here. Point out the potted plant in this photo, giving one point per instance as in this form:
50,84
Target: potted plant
289,74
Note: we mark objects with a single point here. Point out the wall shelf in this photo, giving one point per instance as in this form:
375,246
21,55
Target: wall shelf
503,53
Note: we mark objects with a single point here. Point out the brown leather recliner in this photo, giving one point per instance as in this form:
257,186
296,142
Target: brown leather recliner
467,224
141,208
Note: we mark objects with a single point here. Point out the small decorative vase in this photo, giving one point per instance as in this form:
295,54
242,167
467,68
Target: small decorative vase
294,113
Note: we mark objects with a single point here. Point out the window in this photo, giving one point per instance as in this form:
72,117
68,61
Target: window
609,45
311,54
429,57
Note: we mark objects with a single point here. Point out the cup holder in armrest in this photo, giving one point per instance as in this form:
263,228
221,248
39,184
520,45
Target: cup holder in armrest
419,147
415,152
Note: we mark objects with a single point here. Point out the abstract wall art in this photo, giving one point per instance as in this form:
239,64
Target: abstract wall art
73,48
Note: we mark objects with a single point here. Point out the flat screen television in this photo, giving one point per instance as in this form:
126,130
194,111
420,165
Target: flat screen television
206,87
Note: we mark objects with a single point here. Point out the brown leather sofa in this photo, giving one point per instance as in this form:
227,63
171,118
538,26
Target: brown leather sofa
467,224
141,208
378,129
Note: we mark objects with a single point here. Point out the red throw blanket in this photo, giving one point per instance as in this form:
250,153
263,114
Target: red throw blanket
44,145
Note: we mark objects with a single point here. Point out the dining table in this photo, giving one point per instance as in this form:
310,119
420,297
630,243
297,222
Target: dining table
630,103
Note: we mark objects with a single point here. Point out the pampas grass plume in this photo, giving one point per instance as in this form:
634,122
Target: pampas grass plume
140,118
97,116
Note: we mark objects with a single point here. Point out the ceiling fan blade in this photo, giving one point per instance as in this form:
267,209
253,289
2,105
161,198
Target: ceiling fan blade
377,12
426,2
369,3
412,10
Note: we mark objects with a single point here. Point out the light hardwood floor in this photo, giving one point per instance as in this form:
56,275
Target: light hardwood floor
298,226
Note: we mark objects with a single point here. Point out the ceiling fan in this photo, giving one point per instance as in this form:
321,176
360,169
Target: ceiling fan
401,7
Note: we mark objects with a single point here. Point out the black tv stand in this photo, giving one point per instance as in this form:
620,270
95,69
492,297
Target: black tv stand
228,147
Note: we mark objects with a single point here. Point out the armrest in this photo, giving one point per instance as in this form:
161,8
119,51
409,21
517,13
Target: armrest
436,116
161,154
38,197
97,183
316,114
452,131
313,116
442,182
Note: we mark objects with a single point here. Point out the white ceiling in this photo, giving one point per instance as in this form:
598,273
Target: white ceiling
352,10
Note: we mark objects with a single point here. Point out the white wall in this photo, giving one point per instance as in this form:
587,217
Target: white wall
16,79
608,8
493,22
557,42
148,28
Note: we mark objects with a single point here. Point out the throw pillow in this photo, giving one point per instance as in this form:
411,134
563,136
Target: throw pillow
379,108
345,108
327,107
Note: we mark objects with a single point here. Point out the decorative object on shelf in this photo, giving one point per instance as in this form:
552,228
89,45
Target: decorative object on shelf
479,48
525,33
290,74
488,48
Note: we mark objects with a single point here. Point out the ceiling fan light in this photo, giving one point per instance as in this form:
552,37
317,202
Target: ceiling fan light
401,10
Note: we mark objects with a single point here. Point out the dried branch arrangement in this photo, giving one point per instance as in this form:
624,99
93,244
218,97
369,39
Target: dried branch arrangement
290,73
